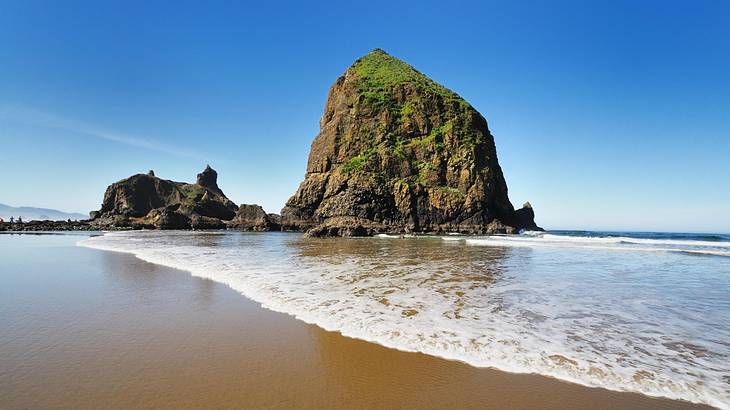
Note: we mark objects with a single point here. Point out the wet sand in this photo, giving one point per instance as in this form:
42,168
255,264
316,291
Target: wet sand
82,328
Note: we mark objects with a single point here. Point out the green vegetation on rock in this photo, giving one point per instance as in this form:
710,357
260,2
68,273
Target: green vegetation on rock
379,72
358,161
386,84
435,137
191,191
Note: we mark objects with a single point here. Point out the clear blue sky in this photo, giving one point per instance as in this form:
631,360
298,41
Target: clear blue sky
606,115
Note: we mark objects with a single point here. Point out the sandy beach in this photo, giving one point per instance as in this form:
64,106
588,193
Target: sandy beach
84,328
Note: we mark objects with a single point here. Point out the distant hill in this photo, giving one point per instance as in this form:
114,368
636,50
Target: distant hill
29,213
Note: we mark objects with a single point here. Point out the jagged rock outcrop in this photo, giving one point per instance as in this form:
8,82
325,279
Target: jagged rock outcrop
398,152
209,179
146,201
254,218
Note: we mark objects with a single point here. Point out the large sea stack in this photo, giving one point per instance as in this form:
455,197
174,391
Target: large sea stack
397,152
146,201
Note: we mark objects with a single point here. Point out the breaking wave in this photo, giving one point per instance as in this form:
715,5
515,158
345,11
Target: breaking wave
617,243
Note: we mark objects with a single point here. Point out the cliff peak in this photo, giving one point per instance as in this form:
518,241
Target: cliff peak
378,72
209,179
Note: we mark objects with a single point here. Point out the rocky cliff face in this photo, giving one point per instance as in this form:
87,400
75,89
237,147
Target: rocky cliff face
398,152
208,179
146,201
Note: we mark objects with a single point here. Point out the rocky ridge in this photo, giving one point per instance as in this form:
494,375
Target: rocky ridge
146,201
396,153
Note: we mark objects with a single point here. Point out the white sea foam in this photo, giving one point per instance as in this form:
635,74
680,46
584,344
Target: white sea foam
571,308
617,243
387,236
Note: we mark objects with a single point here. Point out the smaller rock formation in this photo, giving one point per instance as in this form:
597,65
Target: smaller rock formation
206,222
525,217
146,201
254,218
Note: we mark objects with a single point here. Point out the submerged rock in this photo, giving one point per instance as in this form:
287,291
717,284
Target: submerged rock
398,152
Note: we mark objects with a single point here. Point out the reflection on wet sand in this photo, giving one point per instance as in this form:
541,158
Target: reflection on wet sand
360,374
385,268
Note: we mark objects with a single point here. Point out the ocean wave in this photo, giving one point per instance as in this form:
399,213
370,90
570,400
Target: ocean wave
700,252
610,243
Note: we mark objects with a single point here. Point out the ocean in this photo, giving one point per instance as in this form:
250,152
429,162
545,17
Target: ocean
639,312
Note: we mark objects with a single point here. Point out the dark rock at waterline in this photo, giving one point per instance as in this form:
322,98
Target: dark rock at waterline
168,217
46,225
398,152
251,217
525,218
206,222
344,226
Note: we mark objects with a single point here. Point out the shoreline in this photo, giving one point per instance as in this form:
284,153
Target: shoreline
378,343
218,348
